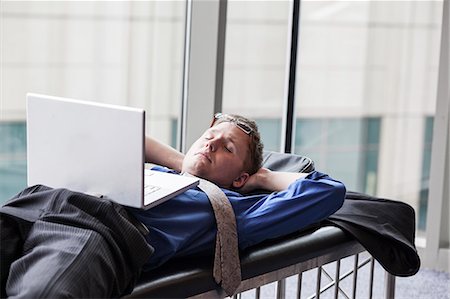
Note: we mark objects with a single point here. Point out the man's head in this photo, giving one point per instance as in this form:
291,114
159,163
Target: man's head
227,153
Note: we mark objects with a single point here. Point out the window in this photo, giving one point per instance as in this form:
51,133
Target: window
367,79
126,52
255,64
347,149
425,174
13,159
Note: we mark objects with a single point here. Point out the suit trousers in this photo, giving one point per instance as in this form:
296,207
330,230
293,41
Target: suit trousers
57,243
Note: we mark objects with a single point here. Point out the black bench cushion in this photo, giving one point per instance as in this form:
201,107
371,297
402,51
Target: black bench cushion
287,162
181,278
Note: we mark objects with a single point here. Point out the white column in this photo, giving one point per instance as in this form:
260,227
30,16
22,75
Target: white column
437,248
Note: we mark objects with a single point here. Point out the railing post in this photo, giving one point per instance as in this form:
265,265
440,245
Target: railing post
372,269
337,279
389,284
299,285
319,278
281,289
355,276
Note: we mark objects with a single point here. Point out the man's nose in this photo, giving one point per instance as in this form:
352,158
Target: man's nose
212,144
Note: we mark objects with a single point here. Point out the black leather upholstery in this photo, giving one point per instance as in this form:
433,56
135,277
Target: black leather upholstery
181,278
287,162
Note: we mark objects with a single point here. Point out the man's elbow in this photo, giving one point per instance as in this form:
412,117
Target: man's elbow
333,195
337,195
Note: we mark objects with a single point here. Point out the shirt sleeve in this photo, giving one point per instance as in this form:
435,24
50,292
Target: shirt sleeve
306,201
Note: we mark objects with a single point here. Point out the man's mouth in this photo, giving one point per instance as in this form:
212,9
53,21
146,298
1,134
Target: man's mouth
206,155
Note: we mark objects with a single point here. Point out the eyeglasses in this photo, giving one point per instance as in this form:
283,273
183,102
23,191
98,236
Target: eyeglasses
228,118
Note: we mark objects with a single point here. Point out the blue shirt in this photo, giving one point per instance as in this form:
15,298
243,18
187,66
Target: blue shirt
185,225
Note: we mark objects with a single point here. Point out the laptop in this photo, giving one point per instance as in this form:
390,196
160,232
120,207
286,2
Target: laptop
96,149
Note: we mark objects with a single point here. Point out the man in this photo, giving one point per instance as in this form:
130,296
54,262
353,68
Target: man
112,253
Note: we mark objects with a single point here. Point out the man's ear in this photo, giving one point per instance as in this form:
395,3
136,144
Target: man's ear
241,180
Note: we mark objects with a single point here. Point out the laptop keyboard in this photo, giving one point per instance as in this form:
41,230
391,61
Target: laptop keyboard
148,189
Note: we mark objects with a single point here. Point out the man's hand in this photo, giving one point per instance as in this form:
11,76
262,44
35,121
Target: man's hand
270,180
255,181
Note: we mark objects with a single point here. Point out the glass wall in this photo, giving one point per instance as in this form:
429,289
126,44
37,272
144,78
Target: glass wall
13,158
255,63
346,148
425,174
125,52
366,91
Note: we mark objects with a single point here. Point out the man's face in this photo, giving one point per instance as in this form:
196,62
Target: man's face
219,155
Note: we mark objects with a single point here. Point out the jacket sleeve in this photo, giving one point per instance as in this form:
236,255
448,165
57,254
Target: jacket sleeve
306,201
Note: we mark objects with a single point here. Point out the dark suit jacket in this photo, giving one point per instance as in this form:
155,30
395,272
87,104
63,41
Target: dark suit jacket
386,228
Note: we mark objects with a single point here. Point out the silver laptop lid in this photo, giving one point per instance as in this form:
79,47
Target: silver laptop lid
87,147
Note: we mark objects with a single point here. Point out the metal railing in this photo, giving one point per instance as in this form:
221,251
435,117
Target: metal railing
322,265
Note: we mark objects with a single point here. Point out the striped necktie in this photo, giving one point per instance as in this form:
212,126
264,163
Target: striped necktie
227,267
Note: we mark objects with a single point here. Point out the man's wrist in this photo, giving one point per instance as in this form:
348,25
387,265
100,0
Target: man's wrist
263,178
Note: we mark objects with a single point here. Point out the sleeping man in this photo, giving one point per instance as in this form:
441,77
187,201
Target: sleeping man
59,243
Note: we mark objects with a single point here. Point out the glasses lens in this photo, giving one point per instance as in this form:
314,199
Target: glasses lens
247,130
225,117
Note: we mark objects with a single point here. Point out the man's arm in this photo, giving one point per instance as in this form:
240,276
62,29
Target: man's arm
306,201
162,154
271,180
